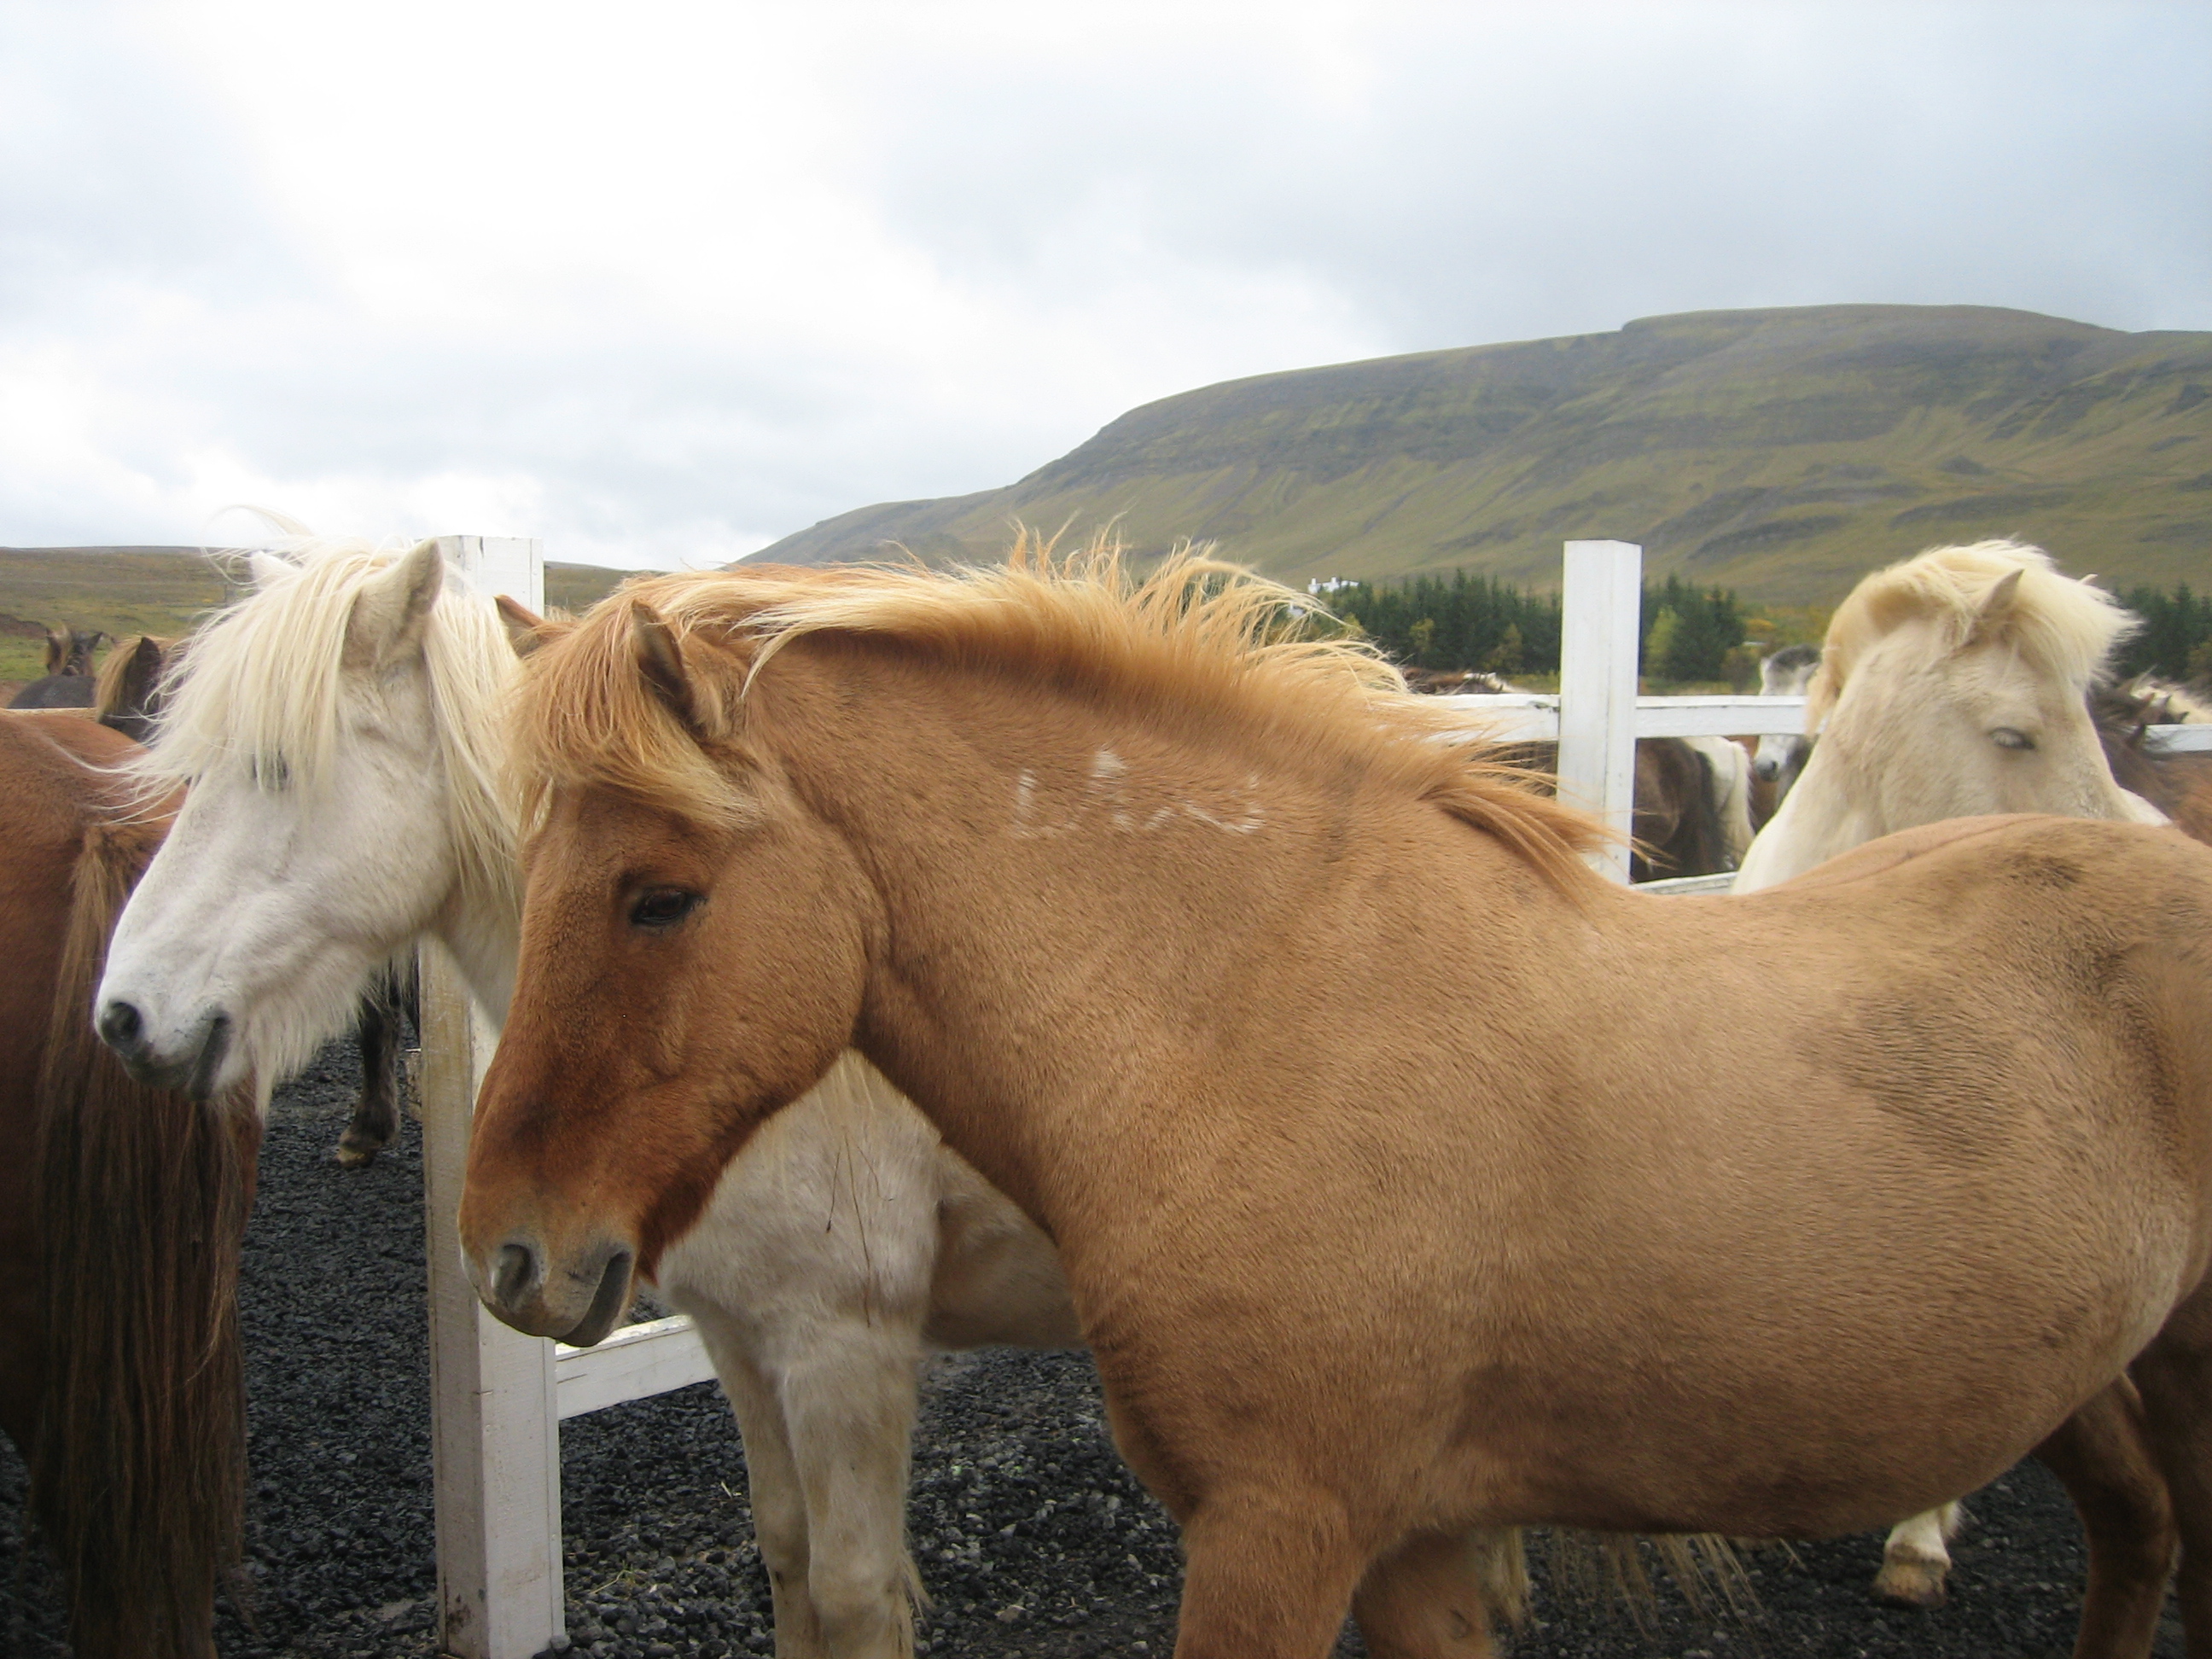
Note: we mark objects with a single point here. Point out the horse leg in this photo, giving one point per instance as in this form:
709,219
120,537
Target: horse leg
1430,1598
375,1122
1915,1561
849,1403
772,1486
2101,1455
2174,1375
1269,1574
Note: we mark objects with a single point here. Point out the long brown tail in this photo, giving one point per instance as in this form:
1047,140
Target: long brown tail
139,1470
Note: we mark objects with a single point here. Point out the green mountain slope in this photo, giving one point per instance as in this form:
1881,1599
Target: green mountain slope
1782,453
156,590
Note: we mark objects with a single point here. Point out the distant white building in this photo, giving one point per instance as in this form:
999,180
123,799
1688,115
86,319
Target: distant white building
1330,584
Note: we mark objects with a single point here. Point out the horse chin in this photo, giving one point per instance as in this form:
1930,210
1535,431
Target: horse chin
609,1304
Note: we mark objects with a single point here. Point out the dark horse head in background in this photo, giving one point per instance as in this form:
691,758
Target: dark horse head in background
67,683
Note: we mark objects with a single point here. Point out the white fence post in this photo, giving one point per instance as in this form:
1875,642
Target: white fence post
494,1420
1599,640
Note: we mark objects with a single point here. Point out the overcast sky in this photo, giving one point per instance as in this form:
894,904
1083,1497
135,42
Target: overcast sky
661,282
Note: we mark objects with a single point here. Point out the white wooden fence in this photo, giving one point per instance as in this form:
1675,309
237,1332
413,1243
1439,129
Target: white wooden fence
498,1397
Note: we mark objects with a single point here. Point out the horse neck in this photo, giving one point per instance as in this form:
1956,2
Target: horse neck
482,939
479,921
1090,915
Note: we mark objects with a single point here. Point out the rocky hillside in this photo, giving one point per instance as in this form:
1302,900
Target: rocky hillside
1782,453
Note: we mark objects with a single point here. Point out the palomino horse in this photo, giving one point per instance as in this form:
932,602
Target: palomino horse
121,1210
1112,880
338,729
1955,683
67,683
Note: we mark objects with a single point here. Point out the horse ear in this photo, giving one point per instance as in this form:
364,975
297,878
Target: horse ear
525,629
393,607
1997,608
140,678
57,652
267,570
659,657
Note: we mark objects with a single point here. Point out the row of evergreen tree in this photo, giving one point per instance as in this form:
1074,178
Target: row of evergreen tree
1690,634
1464,621
2176,638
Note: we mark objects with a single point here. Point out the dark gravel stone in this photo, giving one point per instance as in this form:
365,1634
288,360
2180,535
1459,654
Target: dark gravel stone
1032,1537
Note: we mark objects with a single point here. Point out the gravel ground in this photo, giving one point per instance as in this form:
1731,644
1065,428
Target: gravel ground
1033,1539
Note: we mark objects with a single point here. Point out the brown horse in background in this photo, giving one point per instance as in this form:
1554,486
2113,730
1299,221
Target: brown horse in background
120,1231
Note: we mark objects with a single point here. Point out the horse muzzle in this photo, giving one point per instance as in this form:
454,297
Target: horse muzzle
573,1296
191,1064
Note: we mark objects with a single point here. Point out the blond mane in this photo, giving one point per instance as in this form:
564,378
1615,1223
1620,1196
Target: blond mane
1195,634
2062,628
260,686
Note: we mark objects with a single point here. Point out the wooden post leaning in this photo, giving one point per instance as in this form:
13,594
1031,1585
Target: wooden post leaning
495,1422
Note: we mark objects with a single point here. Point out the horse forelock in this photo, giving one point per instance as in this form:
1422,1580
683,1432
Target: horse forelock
2063,629
1195,633
267,680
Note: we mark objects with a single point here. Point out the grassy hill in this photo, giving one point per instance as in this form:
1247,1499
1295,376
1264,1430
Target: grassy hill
1781,452
156,590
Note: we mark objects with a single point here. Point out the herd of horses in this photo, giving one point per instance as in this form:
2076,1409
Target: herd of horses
888,960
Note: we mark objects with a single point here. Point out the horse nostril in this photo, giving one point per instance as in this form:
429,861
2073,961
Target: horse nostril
516,1274
120,1024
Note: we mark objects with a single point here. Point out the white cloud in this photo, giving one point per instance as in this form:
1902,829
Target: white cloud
662,284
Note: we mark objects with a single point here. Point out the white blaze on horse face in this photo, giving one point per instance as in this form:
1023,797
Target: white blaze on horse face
1112,797
272,898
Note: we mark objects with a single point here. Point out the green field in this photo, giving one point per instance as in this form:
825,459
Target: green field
126,591
1783,453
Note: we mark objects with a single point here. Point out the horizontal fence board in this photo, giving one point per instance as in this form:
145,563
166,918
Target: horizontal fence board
1533,717
635,1362
1677,886
2180,739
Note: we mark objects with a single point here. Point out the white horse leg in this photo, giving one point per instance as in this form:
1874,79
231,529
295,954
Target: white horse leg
1915,1561
849,1406
773,1485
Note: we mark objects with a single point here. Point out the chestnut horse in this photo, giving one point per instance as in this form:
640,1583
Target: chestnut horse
1963,681
1112,879
121,1211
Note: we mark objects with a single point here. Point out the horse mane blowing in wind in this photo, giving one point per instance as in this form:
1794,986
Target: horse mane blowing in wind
1198,631
1114,878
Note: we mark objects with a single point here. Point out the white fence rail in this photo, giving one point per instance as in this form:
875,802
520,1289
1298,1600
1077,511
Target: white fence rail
498,1397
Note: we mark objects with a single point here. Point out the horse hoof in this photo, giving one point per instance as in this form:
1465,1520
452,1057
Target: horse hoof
354,1158
1910,1584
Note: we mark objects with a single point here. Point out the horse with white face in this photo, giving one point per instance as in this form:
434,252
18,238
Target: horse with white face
1780,756
1952,685
337,730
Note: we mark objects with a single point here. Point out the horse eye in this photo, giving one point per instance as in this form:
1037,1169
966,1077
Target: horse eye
270,772
663,906
2006,737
